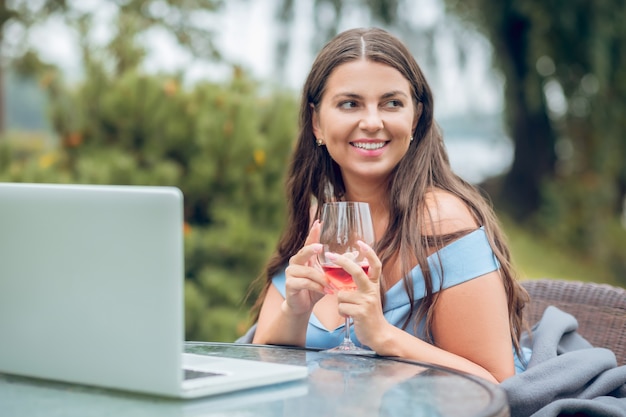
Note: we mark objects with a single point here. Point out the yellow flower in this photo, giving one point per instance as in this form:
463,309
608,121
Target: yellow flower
46,160
170,87
259,157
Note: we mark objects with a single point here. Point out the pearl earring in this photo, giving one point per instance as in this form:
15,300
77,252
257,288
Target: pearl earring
319,142
411,139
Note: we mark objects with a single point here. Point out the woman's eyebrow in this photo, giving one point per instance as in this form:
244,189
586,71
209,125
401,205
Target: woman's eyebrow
385,96
394,93
346,95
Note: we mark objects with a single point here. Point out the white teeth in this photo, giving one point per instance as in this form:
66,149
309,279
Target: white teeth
369,146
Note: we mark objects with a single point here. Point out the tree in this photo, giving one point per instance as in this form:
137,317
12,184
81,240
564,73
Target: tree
181,18
565,87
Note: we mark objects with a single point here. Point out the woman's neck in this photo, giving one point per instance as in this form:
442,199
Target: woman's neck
377,196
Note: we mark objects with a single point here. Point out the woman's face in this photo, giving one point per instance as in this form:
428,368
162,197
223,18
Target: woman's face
366,118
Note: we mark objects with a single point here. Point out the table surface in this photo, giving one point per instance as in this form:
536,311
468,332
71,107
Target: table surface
338,384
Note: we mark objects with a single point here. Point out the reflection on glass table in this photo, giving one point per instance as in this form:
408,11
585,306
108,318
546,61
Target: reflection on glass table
337,385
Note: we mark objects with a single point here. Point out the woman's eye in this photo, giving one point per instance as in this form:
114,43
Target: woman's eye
348,104
394,103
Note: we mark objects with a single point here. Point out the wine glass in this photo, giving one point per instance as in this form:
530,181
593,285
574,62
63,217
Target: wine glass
343,224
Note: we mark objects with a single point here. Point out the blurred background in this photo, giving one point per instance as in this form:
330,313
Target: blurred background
203,95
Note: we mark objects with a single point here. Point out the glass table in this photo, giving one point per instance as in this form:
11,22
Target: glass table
337,385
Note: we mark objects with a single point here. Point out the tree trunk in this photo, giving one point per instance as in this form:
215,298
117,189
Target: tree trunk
526,111
534,157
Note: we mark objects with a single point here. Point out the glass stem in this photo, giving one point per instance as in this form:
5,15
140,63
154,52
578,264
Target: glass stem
346,337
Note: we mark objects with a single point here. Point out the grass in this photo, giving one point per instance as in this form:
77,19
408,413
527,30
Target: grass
535,258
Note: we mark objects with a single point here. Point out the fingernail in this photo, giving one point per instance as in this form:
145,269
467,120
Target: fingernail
317,247
331,255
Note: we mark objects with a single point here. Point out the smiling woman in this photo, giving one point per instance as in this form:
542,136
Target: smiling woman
439,287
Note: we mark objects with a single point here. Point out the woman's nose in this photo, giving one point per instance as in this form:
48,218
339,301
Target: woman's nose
371,121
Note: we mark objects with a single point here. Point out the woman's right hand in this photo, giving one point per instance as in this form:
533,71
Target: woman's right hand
305,282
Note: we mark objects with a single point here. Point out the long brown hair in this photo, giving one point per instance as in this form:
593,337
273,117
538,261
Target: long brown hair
314,177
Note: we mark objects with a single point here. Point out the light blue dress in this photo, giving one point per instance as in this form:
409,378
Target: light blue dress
462,260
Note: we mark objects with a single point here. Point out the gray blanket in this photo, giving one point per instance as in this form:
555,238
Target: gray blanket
566,375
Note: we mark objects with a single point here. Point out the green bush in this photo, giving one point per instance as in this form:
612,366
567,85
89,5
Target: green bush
571,219
224,145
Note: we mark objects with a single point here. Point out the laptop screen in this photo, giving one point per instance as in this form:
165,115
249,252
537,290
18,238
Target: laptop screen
91,284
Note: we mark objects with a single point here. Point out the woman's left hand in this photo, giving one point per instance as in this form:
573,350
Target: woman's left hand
364,303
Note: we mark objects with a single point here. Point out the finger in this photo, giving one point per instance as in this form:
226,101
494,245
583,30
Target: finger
358,274
296,284
311,246
306,272
348,307
314,233
302,277
346,310
304,254
375,265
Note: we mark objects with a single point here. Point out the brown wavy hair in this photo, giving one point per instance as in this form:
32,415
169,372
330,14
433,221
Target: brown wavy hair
313,177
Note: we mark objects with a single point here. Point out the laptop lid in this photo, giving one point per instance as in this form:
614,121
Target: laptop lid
91,292
91,284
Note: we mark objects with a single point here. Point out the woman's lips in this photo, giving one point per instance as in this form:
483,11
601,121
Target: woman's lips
369,145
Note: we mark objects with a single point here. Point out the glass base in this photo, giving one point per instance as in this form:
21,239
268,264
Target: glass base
348,347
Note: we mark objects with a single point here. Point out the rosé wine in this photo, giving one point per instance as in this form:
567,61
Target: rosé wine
339,278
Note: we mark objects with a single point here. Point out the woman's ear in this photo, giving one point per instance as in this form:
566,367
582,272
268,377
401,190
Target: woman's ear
315,122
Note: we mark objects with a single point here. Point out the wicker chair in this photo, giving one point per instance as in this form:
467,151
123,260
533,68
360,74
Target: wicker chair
599,308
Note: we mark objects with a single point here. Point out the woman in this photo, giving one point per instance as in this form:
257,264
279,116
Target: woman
440,287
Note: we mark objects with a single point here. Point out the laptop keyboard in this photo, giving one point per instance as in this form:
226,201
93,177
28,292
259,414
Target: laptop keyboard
193,374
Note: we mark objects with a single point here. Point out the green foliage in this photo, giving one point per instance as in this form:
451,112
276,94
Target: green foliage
225,146
578,215
538,257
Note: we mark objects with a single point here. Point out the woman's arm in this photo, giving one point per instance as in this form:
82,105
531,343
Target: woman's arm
277,325
284,321
470,331
471,319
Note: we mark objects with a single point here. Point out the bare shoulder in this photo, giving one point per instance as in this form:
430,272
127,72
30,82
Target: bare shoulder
447,212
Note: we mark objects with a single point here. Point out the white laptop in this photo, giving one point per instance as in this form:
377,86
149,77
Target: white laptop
91,292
